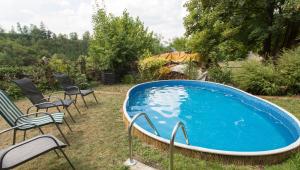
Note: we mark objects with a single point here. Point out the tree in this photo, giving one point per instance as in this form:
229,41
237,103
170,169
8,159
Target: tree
31,43
86,36
219,28
2,30
179,44
119,41
12,30
43,31
19,28
73,36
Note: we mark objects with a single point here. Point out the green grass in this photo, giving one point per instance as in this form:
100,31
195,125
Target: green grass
99,140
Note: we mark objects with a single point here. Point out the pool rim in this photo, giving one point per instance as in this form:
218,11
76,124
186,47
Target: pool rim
287,148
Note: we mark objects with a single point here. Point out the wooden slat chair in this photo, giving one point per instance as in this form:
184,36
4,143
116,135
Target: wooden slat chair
22,152
14,117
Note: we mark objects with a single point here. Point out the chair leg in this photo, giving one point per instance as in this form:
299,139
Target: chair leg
65,96
24,135
14,136
68,125
58,108
76,108
62,134
70,115
95,97
56,153
84,101
76,98
67,158
40,129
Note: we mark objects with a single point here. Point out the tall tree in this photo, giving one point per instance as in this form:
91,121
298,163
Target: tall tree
29,44
73,36
1,30
86,36
265,26
119,41
179,44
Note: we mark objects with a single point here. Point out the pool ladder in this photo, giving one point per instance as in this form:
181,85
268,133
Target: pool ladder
131,160
175,129
174,132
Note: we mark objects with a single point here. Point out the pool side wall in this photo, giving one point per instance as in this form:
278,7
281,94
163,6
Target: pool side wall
268,157
242,160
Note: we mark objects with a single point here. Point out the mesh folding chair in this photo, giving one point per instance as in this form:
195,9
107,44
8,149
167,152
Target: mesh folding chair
14,117
70,89
20,153
40,101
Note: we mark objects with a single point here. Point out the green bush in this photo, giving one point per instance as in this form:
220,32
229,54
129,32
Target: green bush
58,64
258,78
191,70
14,91
81,80
220,75
289,69
42,76
129,79
7,75
149,68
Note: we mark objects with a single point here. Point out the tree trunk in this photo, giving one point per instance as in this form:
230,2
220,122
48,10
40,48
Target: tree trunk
269,20
291,34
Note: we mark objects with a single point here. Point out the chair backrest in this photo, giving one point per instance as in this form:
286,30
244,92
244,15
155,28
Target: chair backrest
64,80
8,110
30,90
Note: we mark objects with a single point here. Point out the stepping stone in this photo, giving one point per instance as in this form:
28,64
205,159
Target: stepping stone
138,166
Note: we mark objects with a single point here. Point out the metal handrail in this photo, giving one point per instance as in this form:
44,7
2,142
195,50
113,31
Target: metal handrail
179,124
132,161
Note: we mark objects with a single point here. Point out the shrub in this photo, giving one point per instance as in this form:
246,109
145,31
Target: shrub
14,91
7,74
128,79
163,72
289,69
58,64
258,78
81,81
149,68
220,75
191,70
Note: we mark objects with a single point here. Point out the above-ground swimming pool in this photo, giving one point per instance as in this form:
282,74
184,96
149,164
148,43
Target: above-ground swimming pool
218,119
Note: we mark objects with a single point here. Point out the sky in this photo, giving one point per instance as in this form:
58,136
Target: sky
164,17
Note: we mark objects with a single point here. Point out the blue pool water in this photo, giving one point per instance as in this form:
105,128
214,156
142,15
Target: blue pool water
215,116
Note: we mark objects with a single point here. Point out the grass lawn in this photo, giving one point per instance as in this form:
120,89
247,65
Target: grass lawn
99,140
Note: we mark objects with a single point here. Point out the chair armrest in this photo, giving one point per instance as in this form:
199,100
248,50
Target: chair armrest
36,105
12,128
35,113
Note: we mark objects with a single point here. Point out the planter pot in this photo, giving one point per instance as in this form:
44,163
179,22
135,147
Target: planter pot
108,77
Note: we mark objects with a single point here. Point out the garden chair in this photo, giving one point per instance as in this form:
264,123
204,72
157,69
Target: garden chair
39,101
14,117
20,153
70,89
